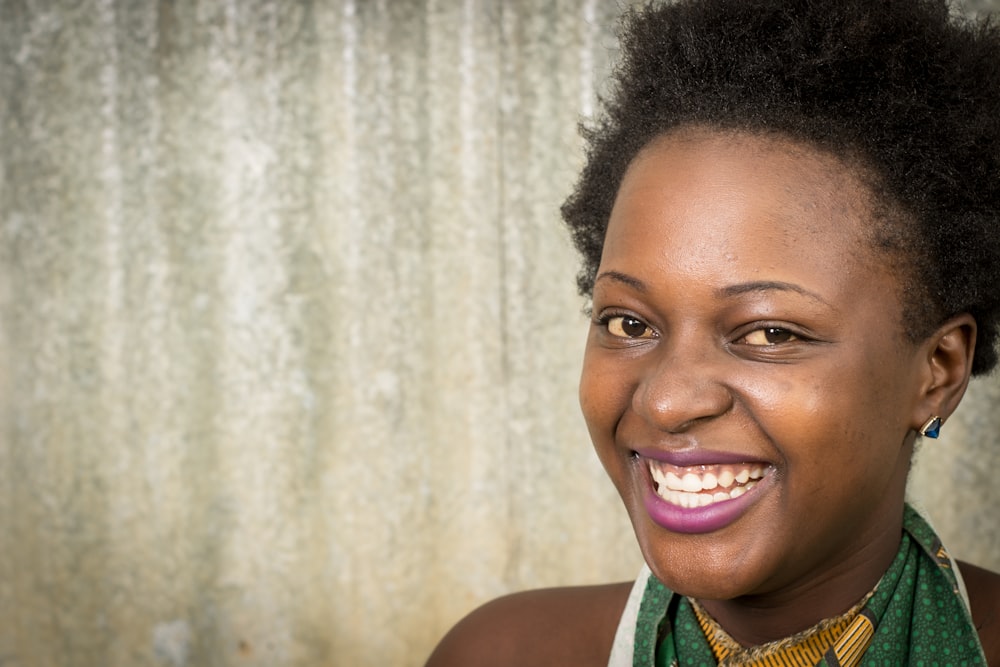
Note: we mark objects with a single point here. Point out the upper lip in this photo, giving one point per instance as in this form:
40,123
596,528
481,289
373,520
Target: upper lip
695,457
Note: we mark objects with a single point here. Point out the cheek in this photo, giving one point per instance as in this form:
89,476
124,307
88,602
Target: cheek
604,397
596,399
785,401
839,417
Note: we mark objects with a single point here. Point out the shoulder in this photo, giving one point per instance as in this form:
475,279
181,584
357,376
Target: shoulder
984,597
551,626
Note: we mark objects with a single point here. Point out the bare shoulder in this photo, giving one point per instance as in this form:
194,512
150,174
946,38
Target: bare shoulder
553,626
984,598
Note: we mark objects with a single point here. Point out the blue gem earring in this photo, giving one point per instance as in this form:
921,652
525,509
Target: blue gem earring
931,427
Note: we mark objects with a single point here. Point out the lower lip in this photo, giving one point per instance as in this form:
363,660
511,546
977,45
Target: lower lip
706,519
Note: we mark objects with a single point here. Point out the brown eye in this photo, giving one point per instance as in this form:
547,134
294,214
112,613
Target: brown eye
769,336
624,326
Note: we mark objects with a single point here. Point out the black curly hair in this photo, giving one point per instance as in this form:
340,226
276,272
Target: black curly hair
904,89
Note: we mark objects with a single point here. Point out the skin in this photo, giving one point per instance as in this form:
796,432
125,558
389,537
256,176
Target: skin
739,312
541,628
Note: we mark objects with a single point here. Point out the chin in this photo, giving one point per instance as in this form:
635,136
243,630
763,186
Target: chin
718,565
704,579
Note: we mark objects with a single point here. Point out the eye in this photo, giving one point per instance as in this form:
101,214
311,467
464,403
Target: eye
626,326
766,336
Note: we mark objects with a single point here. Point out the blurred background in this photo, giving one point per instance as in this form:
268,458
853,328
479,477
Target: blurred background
289,336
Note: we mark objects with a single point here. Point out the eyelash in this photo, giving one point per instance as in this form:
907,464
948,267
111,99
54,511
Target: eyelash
606,320
766,329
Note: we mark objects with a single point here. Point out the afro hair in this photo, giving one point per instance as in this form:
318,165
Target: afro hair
904,88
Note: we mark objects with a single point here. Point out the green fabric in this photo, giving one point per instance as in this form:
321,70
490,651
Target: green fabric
919,614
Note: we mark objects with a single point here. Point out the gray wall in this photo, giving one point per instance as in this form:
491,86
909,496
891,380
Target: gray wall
289,339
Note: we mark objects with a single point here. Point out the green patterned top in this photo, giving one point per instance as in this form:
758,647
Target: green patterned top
919,615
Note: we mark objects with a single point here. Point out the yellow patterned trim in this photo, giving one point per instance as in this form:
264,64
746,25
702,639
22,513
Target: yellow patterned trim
851,645
847,637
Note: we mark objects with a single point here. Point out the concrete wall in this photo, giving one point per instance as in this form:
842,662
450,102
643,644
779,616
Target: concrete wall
290,341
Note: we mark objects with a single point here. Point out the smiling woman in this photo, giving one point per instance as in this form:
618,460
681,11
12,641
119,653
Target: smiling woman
789,225
769,362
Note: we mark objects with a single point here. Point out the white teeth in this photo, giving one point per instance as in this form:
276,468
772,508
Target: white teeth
709,481
691,483
699,487
657,475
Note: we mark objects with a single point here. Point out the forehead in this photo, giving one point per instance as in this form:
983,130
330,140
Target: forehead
697,199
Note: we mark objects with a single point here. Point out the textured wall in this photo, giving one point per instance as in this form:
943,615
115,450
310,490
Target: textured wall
288,333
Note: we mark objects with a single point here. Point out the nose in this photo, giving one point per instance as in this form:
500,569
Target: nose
682,387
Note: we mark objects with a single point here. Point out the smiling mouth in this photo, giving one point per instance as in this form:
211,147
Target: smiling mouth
703,485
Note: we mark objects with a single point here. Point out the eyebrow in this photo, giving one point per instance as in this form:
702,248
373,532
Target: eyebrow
767,286
622,278
723,292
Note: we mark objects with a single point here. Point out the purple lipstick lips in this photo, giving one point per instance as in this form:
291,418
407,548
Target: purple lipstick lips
701,498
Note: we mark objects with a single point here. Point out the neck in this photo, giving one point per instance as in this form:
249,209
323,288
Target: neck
758,619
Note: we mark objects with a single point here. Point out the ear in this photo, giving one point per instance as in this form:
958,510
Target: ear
945,369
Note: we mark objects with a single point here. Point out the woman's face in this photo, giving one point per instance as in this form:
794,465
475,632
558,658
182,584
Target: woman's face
747,384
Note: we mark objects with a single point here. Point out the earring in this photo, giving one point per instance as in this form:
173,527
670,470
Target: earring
931,427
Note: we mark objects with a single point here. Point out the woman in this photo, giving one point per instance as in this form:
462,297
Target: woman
790,227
